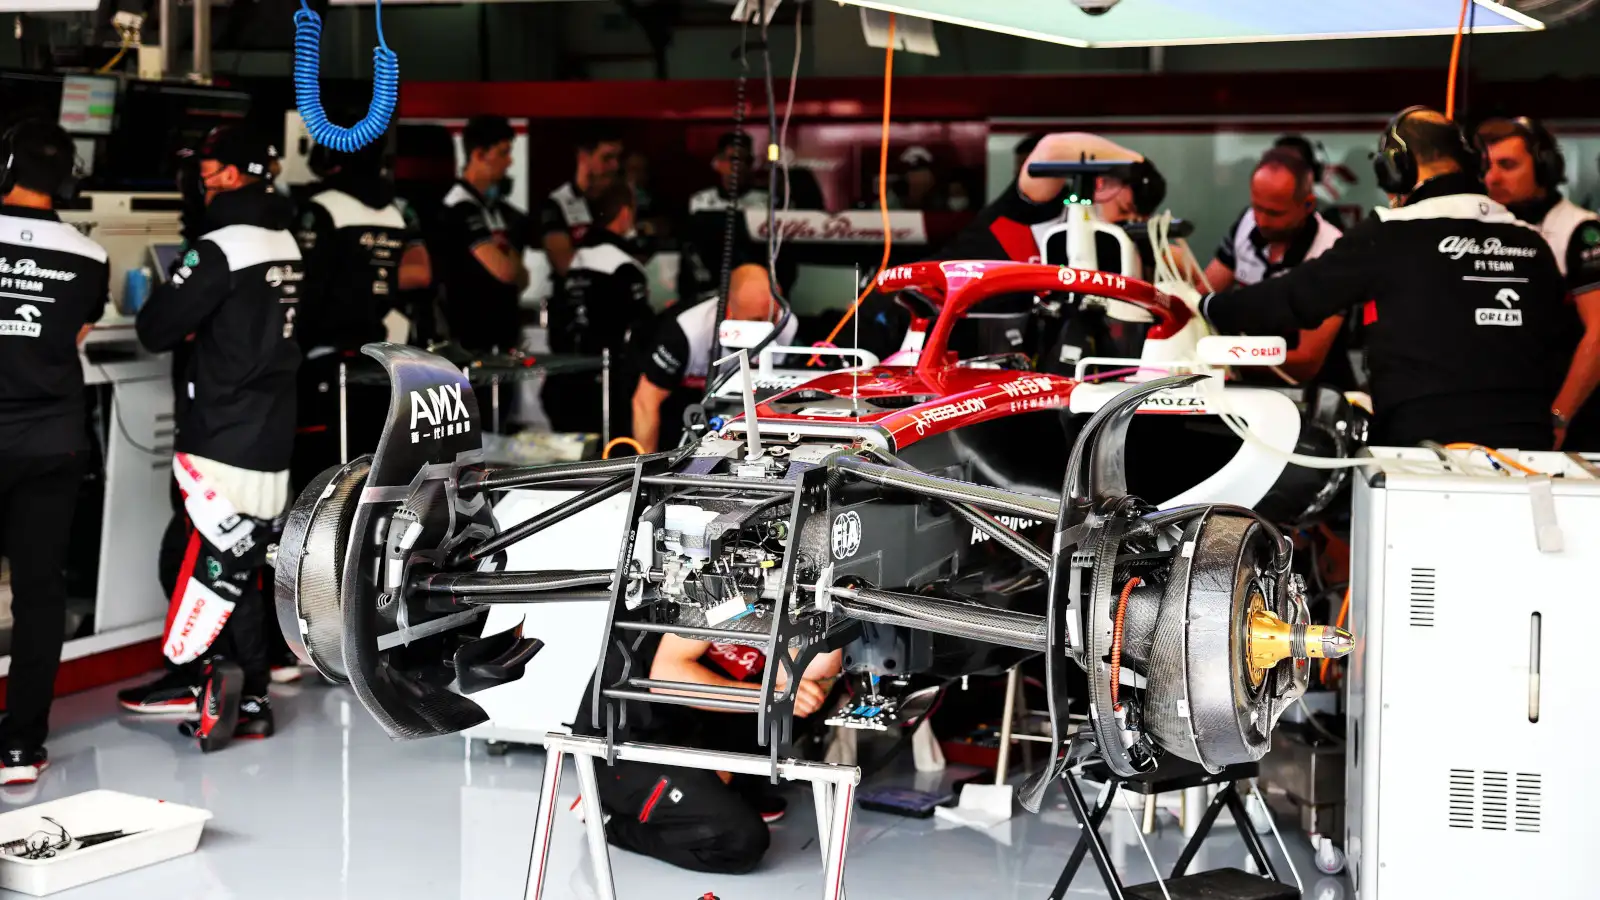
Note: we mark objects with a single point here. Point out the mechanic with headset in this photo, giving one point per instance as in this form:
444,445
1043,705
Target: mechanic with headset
234,293
55,283
676,359
605,297
360,253
1523,170
1464,307
480,244
1280,230
706,238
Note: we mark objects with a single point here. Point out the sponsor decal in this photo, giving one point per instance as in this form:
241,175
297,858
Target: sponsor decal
853,227
379,240
826,412
277,276
213,568
1456,246
1591,236
898,273
1027,387
947,412
1164,402
27,236
1509,315
191,259
846,535
1049,401
442,409
27,312
29,268
1015,523
1081,279
963,270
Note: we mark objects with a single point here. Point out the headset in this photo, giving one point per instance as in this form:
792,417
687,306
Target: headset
1148,186
1396,167
1549,165
66,186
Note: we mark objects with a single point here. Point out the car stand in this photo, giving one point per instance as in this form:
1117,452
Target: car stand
833,789
1229,883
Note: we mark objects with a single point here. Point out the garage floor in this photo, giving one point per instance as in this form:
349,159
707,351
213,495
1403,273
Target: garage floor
331,809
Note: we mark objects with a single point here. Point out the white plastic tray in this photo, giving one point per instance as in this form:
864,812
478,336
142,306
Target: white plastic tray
167,831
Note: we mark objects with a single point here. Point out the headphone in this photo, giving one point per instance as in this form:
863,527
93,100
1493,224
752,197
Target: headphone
1396,167
1149,188
66,186
1549,166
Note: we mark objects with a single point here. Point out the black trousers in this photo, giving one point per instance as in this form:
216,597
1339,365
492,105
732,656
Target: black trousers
688,817
37,496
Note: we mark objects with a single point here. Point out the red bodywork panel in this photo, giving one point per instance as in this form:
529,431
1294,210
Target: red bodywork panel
949,395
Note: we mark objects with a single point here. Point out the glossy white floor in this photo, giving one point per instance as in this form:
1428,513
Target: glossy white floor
330,809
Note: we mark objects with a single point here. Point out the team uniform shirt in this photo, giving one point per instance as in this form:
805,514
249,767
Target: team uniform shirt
482,311
1574,237
1244,250
606,293
1467,329
236,291
352,247
53,281
677,358
702,254
565,211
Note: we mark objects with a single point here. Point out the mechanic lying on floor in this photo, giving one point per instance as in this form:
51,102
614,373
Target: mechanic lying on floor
700,820
1468,331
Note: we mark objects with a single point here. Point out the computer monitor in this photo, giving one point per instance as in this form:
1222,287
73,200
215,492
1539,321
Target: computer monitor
88,104
162,257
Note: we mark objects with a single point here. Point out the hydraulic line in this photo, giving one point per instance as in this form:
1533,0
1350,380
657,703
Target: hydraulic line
1029,505
480,584
999,626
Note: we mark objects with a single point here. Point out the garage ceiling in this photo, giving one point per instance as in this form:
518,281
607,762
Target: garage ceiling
1149,23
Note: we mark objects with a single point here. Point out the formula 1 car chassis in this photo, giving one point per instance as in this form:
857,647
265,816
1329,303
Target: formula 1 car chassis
854,502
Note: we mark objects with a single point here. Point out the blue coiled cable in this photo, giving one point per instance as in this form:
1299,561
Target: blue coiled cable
308,88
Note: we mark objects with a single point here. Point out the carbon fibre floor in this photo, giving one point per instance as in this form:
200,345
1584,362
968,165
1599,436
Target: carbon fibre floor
330,809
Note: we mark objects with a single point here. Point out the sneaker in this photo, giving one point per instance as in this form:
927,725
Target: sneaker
771,806
255,719
219,707
286,668
21,765
173,693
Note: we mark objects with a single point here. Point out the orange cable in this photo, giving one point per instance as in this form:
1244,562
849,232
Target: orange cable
1455,62
1116,640
637,447
1322,671
883,187
1496,454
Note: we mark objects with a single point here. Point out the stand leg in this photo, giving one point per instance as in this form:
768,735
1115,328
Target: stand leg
838,841
605,396
1200,832
545,822
1241,818
494,402
1002,766
595,825
1089,841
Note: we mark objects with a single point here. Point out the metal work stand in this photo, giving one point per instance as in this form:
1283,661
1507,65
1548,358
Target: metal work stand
833,788
1090,841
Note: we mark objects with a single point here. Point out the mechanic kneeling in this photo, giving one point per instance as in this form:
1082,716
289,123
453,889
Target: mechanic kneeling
1468,331
234,292
692,818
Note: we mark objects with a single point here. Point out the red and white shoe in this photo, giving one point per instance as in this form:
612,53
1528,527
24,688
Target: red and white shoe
219,707
22,765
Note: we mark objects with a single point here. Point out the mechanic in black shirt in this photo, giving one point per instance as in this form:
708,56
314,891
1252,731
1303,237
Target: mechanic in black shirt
360,255
695,819
1523,170
675,361
1468,332
705,243
53,283
481,241
606,295
234,293
565,215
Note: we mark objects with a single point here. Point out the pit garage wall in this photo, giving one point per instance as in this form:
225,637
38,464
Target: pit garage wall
1204,129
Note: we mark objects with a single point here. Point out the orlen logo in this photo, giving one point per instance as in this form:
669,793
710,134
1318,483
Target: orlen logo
1223,350
442,408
